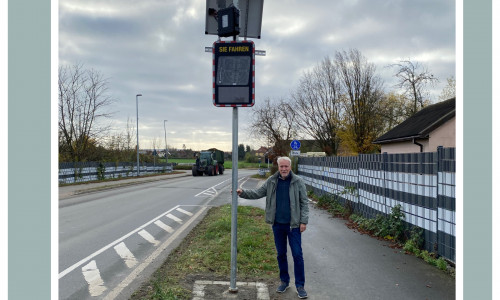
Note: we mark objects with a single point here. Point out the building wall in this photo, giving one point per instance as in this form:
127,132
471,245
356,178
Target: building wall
402,147
442,136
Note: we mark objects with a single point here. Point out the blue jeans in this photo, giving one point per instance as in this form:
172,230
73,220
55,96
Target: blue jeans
282,232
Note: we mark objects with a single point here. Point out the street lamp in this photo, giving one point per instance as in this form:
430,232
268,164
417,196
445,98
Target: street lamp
166,148
137,111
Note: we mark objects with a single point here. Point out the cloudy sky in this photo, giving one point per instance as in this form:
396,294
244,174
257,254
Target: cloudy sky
156,48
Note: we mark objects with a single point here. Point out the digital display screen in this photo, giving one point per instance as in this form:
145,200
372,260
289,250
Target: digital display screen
234,95
233,70
233,73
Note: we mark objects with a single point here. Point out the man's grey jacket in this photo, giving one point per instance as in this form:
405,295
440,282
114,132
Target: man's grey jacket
299,211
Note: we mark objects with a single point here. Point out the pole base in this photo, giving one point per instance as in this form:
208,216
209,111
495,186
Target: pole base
233,290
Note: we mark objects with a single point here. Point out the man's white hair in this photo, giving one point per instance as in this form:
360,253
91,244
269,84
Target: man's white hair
284,158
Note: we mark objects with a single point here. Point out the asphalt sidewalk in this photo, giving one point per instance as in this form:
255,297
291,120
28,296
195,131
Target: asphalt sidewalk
341,263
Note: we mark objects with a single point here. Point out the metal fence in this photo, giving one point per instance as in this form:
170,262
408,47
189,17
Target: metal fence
422,183
72,172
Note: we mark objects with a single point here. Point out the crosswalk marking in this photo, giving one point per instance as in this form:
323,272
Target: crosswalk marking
164,226
126,255
93,278
184,212
148,237
170,216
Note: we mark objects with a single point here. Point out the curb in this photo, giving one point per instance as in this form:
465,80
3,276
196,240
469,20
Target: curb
113,185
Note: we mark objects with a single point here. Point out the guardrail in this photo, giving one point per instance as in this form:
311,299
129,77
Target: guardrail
89,171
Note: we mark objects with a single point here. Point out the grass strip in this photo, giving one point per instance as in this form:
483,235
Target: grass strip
206,254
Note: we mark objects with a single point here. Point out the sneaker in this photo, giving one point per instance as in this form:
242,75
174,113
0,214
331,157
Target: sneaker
301,292
282,288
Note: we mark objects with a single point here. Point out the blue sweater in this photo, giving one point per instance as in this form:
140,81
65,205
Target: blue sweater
283,214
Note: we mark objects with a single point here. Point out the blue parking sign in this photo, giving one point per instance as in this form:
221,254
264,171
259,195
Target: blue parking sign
295,145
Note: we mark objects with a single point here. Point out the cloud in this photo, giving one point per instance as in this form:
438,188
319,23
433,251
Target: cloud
156,48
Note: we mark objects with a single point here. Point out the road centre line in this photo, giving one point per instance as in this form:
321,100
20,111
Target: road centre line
133,275
76,265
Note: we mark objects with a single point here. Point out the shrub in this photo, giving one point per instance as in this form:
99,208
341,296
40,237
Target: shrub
390,227
101,170
442,264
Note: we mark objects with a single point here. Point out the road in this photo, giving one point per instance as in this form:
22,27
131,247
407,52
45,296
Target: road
112,240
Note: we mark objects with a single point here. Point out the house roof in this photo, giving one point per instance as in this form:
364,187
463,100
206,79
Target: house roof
420,124
262,149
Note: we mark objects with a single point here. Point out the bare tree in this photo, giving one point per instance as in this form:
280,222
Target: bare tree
317,105
155,143
362,92
82,104
274,121
115,142
394,109
129,135
414,78
449,91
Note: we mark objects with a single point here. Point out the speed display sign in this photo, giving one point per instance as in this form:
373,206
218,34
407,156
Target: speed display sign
233,71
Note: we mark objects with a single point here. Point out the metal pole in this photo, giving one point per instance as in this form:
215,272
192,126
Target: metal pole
234,205
137,117
166,148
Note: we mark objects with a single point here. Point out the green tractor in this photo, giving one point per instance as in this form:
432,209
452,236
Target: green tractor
209,162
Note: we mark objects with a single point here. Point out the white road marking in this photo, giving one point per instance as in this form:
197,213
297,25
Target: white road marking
211,189
164,226
148,237
133,275
245,180
262,291
126,255
184,212
170,216
208,192
199,288
93,278
73,267
198,291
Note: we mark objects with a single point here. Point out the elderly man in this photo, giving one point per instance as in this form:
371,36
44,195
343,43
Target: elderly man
287,211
